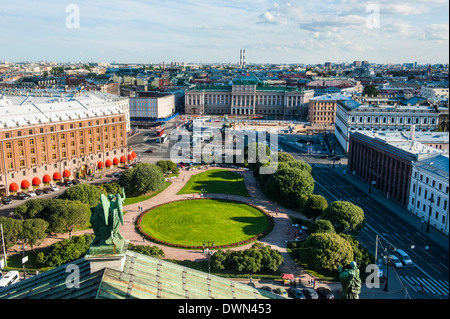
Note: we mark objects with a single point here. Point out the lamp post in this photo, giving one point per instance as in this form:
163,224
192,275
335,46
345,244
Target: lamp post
388,258
207,250
429,214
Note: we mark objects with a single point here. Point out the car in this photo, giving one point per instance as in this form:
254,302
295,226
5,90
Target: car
310,293
54,188
6,200
47,190
267,288
32,194
23,196
324,293
403,256
323,156
116,174
9,279
68,183
148,151
76,182
394,261
296,293
280,291
39,192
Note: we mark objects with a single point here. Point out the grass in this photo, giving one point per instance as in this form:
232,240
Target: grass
216,181
193,222
137,199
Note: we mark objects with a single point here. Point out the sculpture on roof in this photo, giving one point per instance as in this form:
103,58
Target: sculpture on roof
351,282
105,220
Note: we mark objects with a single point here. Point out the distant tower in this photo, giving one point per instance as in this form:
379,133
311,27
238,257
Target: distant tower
240,59
243,58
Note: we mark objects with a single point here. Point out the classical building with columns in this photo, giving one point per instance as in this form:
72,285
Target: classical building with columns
247,95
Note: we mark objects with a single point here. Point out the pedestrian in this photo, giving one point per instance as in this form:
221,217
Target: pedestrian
139,209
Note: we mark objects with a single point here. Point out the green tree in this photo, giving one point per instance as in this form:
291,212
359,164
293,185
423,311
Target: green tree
12,230
370,90
346,217
314,206
142,179
85,193
34,230
65,215
326,251
321,226
361,255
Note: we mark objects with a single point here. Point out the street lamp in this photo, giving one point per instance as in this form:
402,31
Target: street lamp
207,250
429,214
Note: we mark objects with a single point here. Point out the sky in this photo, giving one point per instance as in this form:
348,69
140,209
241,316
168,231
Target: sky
214,31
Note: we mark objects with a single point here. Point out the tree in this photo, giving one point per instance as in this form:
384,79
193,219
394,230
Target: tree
370,90
285,157
321,226
288,184
142,179
84,193
65,215
326,251
314,206
12,230
346,217
168,167
34,230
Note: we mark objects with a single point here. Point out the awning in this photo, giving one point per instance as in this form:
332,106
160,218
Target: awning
57,176
100,165
133,154
130,158
116,161
66,173
13,187
288,277
108,163
123,159
36,181
25,184
47,178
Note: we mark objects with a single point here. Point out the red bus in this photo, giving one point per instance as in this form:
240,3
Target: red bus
160,132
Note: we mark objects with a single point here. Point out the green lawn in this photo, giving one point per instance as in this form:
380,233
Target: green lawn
137,199
192,222
216,181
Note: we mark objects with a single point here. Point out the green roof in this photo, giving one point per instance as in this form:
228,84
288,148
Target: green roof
143,277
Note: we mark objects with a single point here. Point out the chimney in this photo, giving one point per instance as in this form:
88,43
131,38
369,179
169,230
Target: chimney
412,133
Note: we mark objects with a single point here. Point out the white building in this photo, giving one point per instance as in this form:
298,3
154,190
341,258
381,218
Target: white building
429,191
435,92
152,106
352,116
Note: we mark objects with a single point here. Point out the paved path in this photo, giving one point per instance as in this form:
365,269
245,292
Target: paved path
276,238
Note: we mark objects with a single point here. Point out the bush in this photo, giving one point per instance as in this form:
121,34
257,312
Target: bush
346,217
321,226
314,206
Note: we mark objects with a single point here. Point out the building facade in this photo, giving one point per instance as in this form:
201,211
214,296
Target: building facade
351,116
384,160
152,106
247,96
322,109
429,192
44,139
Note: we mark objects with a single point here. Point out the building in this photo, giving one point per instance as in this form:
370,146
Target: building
46,138
429,191
353,116
432,92
151,106
322,109
247,95
384,160
323,86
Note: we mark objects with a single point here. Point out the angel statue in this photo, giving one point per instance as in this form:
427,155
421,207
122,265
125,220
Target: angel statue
106,218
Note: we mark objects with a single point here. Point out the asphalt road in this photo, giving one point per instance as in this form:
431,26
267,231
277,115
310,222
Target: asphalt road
394,226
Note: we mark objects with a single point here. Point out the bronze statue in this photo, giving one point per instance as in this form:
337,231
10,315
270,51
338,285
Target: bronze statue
351,282
106,219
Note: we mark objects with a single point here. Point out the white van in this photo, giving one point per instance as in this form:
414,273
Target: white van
10,278
404,258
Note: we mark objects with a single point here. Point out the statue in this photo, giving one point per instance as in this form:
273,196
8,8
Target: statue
105,220
351,282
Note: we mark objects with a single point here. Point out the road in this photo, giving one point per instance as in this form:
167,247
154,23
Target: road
431,262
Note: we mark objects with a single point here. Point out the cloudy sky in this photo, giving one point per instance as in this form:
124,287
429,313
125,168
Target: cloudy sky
208,31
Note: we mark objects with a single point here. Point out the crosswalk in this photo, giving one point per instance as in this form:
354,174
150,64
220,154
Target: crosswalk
432,286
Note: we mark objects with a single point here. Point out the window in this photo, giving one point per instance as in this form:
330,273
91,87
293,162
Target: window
22,163
20,143
8,145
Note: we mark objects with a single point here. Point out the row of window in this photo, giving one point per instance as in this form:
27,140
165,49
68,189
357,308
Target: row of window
393,120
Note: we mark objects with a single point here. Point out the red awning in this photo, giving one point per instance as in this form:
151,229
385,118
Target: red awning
66,173
123,159
116,161
13,187
133,154
108,163
25,184
47,178
288,276
130,158
56,176
36,181
100,165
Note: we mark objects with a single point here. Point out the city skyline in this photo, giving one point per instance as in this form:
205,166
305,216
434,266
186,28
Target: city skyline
289,32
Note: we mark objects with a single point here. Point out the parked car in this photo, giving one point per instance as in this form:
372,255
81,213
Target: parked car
9,279
395,261
116,174
280,291
76,182
267,288
6,200
310,293
23,196
323,156
324,293
148,151
39,192
47,190
32,194
296,293
54,188
68,183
